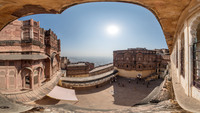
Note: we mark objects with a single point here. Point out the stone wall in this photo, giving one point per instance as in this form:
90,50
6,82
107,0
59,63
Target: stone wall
134,73
101,69
80,69
90,82
64,62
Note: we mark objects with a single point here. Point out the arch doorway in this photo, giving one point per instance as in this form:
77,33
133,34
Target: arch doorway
26,78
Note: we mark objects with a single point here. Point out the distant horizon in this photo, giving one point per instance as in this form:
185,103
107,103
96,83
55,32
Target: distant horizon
97,29
113,50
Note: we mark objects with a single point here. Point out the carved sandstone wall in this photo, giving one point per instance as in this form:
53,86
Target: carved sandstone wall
134,61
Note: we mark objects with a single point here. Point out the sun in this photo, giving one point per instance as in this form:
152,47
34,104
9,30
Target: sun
112,29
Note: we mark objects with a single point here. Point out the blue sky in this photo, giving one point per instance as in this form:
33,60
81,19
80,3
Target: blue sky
83,28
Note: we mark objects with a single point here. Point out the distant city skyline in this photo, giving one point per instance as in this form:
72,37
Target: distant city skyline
97,29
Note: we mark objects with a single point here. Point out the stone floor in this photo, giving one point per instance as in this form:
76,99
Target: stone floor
7,106
120,94
163,107
57,106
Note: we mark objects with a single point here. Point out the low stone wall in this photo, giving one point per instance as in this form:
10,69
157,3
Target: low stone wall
88,81
79,75
134,73
101,69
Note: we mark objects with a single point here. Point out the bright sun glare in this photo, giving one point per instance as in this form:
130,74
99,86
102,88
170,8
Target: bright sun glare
112,29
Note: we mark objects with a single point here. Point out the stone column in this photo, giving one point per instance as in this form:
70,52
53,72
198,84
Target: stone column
186,58
179,60
16,83
32,80
39,80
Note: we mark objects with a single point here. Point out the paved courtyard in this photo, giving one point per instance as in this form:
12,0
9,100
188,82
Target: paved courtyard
120,94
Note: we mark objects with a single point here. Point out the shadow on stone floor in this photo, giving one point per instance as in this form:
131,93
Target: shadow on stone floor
47,101
94,90
128,94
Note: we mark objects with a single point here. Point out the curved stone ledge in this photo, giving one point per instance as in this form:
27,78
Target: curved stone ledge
33,95
88,81
101,69
186,102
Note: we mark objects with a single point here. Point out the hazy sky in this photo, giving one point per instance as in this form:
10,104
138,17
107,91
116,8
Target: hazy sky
96,29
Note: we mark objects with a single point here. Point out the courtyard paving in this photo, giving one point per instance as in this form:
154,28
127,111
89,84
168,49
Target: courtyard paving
120,94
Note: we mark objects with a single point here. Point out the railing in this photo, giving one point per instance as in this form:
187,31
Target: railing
196,67
197,83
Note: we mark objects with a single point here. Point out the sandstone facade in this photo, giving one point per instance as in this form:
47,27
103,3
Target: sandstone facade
29,57
179,21
140,61
79,69
64,62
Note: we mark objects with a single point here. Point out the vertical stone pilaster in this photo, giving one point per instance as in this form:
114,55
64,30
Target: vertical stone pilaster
39,80
186,64
179,60
32,81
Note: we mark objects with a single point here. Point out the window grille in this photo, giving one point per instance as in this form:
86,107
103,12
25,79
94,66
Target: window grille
196,64
182,58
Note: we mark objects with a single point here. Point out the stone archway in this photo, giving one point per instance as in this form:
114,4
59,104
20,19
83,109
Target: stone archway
139,57
193,26
27,80
38,76
161,9
55,59
139,67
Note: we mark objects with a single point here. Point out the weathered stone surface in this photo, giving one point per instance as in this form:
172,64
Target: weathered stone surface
160,93
166,11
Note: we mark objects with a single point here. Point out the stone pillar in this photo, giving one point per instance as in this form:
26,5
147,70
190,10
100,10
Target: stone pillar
186,58
39,80
23,81
16,83
179,60
32,80
7,76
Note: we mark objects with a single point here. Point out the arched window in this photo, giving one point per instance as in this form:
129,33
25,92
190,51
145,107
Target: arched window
11,79
127,58
26,78
196,50
36,74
